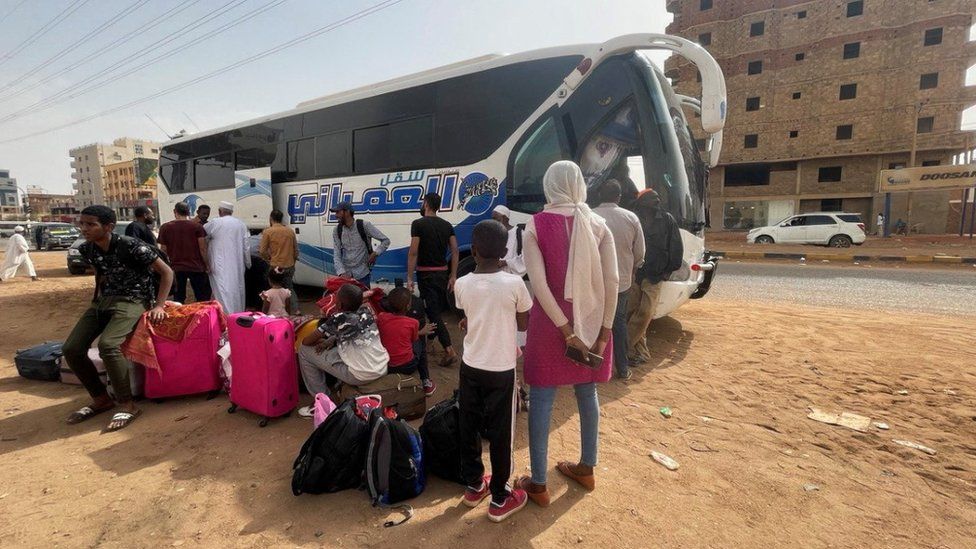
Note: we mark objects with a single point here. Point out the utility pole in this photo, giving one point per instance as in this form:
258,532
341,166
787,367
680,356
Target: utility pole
911,156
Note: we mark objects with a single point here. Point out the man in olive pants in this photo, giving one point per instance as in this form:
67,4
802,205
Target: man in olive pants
124,289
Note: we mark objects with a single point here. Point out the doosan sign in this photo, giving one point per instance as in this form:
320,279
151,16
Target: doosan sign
928,178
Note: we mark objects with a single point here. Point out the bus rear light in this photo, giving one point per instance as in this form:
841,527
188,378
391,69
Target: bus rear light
584,66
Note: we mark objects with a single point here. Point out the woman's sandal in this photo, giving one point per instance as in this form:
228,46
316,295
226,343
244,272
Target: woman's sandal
538,493
86,413
123,419
586,481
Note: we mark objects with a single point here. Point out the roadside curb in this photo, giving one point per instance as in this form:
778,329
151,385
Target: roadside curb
849,258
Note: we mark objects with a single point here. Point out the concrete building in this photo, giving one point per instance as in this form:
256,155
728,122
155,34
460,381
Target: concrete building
88,165
824,94
9,205
45,206
130,184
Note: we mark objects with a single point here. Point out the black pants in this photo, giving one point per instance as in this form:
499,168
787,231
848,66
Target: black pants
418,364
487,404
433,290
200,282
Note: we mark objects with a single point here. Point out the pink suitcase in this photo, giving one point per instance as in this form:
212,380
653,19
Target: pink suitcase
190,366
264,372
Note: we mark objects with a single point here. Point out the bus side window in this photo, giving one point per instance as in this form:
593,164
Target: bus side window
539,151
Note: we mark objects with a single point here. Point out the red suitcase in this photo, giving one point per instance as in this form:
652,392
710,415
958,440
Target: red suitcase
189,366
264,373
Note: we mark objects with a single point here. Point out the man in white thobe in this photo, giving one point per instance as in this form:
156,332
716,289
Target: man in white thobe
229,256
17,256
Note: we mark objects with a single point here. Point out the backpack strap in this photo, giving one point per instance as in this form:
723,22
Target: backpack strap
361,227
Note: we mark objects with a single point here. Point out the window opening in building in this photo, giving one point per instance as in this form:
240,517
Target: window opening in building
930,163
705,5
757,29
827,205
829,174
800,56
933,37
755,67
802,14
794,133
925,124
751,141
848,91
928,81
896,165
796,95
705,39
852,50
845,131
855,8
745,175
752,103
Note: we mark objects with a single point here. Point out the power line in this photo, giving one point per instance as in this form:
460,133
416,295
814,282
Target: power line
138,31
74,6
74,91
9,13
280,47
44,64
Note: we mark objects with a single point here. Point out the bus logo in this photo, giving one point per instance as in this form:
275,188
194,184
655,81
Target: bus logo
477,193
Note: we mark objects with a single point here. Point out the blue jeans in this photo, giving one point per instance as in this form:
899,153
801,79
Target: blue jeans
366,280
540,412
621,365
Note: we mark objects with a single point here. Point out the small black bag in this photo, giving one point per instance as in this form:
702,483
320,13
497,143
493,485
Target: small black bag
441,434
333,457
394,461
40,362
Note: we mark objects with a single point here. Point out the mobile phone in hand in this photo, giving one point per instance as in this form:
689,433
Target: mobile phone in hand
581,358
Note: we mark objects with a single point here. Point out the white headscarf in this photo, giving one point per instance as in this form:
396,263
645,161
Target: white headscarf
565,187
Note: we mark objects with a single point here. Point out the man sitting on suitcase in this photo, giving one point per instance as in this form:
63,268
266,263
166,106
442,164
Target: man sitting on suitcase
124,289
346,345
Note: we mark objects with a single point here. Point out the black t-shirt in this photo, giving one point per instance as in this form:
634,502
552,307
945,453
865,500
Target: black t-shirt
124,269
435,237
138,229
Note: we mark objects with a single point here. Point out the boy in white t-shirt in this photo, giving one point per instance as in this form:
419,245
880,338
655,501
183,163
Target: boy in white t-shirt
495,304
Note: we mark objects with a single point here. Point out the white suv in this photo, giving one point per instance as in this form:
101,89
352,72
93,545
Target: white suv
835,229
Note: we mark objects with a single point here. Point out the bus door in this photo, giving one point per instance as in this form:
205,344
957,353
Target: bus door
253,195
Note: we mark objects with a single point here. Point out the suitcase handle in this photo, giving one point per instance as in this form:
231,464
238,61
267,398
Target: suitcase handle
245,321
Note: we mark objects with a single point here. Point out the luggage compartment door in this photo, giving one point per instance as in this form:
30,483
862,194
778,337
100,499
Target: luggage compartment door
253,193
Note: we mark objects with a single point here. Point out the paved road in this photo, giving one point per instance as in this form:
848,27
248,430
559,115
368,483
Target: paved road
940,291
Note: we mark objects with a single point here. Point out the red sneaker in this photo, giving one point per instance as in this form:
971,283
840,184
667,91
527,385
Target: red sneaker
473,498
515,501
429,387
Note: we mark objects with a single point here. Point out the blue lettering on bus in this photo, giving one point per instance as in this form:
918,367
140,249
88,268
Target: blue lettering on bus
389,197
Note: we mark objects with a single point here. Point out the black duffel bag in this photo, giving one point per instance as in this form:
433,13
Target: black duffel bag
40,362
334,456
441,435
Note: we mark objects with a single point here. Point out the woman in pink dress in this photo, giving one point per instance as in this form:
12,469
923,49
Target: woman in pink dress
571,261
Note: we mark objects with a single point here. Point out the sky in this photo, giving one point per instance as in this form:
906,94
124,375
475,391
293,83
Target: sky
403,38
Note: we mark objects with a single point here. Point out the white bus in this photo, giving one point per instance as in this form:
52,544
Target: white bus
480,133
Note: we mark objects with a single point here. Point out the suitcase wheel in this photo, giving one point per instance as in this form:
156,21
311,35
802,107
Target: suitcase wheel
263,422
213,394
232,409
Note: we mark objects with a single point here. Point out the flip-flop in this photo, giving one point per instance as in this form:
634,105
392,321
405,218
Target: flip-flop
448,361
125,418
586,481
84,413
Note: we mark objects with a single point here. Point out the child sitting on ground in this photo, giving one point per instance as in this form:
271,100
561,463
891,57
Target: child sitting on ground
401,335
276,299
346,345
495,304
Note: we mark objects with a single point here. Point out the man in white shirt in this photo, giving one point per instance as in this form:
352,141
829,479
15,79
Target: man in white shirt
880,224
512,262
628,240
229,256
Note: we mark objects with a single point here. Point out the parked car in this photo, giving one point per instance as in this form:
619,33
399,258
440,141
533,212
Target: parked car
78,265
835,229
60,237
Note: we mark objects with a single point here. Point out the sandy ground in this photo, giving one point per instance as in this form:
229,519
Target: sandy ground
873,246
754,471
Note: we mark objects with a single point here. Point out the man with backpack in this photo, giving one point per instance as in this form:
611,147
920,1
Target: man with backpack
352,241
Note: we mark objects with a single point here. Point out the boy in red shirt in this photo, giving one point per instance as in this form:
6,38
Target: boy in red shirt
401,334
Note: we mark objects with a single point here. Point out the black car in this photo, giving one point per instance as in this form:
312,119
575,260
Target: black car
77,265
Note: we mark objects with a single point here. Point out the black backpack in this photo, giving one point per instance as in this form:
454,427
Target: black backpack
394,460
361,227
333,457
441,433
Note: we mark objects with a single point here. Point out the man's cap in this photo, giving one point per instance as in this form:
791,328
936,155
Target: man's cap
224,205
344,205
19,229
502,210
651,193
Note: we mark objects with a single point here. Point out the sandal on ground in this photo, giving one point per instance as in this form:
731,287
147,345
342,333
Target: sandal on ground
448,361
586,481
85,413
538,493
123,419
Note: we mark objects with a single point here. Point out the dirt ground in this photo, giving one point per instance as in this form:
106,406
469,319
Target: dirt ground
873,246
739,377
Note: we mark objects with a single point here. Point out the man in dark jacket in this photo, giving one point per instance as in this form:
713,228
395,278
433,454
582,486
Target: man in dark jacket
664,251
140,228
